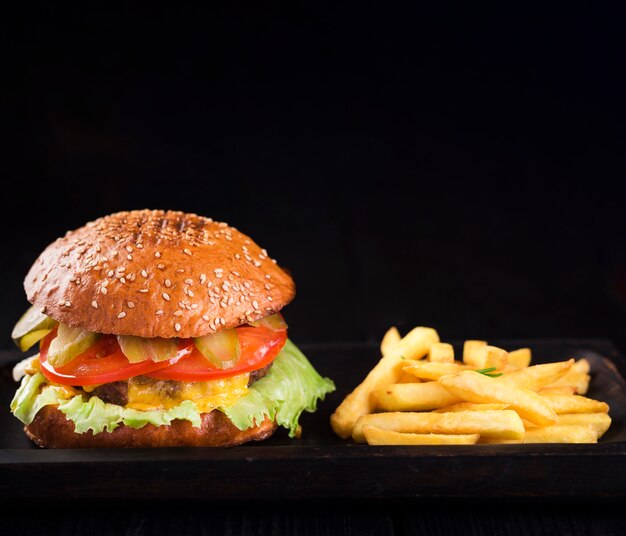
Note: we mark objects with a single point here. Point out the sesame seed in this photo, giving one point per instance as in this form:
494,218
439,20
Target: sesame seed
129,257
160,266
190,293
186,251
269,298
103,290
144,273
202,279
257,263
255,304
139,245
237,256
178,312
218,274
218,271
166,296
168,283
158,312
144,290
122,280
268,276
212,326
94,304
131,304
157,254
189,281
209,284
222,321
268,286
246,284
180,270
225,286
121,315
194,305
205,318
177,326
110,273
235,273
129,249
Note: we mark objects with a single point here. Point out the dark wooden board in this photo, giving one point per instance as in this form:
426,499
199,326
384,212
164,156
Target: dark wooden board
320,465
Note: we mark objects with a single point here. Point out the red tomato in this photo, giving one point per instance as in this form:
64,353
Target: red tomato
259,347
103,362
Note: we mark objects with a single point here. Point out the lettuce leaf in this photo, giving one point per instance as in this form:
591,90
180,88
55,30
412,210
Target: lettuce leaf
290,387
92,413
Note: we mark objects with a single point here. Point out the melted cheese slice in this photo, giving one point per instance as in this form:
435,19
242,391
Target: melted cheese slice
147,394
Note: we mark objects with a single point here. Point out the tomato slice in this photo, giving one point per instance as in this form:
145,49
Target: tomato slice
259,347
103,362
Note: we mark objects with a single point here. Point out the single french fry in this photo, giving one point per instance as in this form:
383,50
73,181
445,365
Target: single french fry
577,376
471,406
558,390
390,338
433,371
441,352
574,404
500,423
491,356
472,386
414,345
537,376
422,396
519,358
408,378
378,436
561,433
470,349
599,421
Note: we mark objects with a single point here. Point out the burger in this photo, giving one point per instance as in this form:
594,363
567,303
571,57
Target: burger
159,329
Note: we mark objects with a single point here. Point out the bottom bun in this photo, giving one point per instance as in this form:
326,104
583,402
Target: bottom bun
51,429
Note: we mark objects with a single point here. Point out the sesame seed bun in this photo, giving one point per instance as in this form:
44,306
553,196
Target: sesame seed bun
155,273
51,429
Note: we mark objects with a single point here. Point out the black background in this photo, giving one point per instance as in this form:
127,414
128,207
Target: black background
453,168
457,168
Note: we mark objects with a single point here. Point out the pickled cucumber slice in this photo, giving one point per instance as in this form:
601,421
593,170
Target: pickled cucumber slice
68,344
31,328
275,322
137,349
221,349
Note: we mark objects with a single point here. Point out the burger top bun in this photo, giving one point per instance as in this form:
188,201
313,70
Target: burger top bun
155,273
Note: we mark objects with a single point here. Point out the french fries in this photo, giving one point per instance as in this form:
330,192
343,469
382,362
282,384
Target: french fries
504,424
473,387
378,436
412,397
414,345
418,394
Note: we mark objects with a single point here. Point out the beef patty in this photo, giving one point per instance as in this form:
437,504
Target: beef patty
117,392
